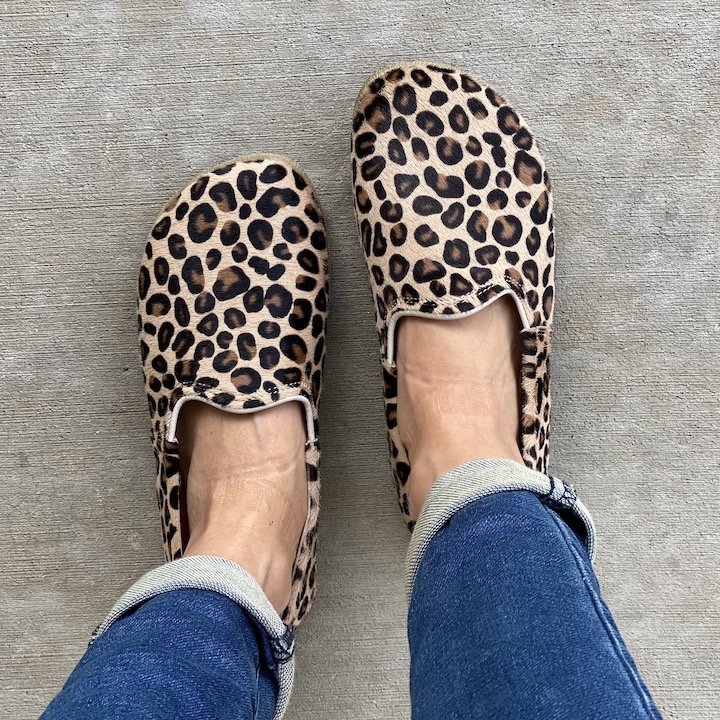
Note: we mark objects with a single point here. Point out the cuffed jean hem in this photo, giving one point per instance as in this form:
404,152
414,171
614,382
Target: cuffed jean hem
477,479
207,572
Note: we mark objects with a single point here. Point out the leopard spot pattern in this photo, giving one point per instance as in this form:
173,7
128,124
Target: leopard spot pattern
454,207
232,305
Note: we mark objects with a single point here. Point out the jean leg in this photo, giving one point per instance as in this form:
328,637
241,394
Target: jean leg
195,638
182,654
506,621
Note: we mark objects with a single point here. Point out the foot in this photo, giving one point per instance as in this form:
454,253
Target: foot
458,392
246,489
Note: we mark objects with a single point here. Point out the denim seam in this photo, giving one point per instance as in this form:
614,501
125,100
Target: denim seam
478,479
256,704
631,673
216,574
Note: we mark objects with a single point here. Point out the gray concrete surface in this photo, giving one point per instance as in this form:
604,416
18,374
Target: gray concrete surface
106,108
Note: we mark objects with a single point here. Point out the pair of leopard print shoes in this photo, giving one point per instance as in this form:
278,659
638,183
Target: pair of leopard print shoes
454,210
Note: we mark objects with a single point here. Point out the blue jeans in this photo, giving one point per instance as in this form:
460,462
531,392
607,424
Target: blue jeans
506,622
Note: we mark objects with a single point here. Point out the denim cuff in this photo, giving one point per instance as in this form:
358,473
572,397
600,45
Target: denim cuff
478,479
206,572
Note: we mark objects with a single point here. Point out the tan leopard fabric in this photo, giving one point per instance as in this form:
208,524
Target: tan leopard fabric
232,303
454,207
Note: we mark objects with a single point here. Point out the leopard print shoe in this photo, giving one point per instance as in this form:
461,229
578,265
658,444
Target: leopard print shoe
454,210
232,305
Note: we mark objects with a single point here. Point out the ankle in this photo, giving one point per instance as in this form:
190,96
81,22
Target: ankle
267,562
458,393
246,490
431,459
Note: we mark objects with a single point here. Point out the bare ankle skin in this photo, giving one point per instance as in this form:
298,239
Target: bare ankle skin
246,489
458,392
